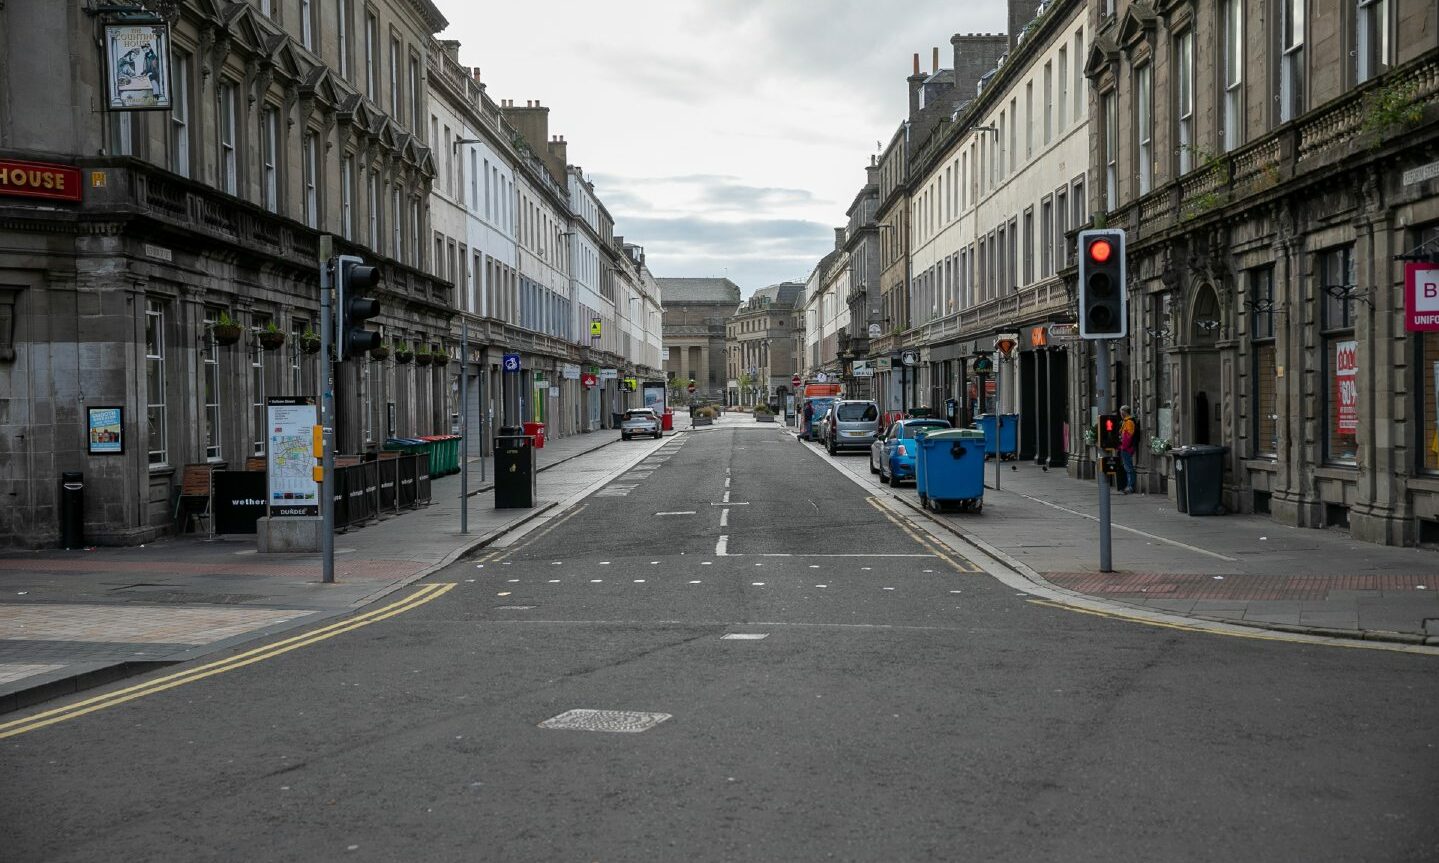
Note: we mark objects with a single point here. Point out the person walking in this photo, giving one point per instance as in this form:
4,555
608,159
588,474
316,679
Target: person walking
1128,431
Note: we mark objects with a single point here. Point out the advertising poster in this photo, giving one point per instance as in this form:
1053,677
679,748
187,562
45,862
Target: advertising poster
107,434
137,66
1346,385
292,490
654,394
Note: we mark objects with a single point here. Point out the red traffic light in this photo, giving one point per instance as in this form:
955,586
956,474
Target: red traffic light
1100,250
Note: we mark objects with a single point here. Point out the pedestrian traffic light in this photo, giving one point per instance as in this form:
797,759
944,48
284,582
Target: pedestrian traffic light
352,309
1102,302
1109,431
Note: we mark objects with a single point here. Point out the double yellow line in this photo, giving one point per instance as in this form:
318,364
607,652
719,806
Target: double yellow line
904,525
240,660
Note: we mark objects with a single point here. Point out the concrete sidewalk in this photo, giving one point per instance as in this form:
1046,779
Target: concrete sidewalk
1242,569
74,619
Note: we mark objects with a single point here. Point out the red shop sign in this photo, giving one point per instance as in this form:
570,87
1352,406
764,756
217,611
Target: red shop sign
39,180
589,381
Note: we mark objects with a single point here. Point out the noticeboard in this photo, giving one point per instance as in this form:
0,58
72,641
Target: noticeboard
291,488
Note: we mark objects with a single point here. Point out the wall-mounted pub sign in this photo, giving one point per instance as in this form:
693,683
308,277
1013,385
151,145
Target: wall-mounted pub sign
137,66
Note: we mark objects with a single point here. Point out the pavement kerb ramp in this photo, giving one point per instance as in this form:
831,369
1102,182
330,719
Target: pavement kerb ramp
1083,599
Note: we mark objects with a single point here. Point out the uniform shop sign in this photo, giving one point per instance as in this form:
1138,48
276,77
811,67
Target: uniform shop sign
1421,297
1346,385
39,180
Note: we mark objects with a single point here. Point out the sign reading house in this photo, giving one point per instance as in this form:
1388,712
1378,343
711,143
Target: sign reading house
39,180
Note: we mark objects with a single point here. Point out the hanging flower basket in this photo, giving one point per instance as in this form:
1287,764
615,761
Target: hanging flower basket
380,353
440,358
423,358
271,340
403,354
227,334
309,342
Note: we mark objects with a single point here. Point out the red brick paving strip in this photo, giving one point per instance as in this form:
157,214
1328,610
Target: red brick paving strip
1146,585
365,570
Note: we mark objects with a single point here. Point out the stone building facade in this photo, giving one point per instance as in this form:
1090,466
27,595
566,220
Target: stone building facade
283,129
1271,199
760,346
695,312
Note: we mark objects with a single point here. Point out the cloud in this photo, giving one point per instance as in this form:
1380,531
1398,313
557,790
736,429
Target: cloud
712,194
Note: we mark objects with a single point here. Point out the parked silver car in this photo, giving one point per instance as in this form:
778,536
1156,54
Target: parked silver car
851,424
640,421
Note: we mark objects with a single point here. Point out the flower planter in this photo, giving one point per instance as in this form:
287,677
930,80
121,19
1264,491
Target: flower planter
403,357
764,418
703,421
227,334
271,341
310,346
379,354
423,359
440,359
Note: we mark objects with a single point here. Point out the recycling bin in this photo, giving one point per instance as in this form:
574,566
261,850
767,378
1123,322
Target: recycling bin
949,469
536,431
1001,434
515,474
1199,478
72,509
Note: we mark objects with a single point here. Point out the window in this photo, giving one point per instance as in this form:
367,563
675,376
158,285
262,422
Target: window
1001,272
1063,105
1184,99
1029,120
1077,203
122,133
372,208
347,194
449,156
312,180
1371,39
1029,246
1061,248
396,108
1013,254
180,115
372,55
1144,123
228,169
298,375
416,97
1291,61
269,156
155,414
1048,102
1078,75
307,24
397,235
1341,361
1264,403
1233,32
999,166
343,15
257,396
415,248
210,383
1046,230
1013,121
1110,118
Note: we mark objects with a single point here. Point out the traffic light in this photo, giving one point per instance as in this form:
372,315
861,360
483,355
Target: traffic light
352,281
1109,431
1102,301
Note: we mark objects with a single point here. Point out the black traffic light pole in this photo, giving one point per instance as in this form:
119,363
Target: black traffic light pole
327,415
1103,315
1101,395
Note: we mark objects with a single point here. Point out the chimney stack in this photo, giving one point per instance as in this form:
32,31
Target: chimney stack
974,55
934,63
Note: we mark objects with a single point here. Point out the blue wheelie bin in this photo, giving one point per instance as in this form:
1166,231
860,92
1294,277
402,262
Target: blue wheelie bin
1001,435
949,469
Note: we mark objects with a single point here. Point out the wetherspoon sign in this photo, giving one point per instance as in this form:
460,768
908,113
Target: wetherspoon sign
1421,297
39,180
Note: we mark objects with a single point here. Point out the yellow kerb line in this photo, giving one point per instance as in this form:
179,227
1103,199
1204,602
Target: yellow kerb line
924,543
240,660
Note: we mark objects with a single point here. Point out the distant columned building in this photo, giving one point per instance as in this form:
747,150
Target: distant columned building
695,312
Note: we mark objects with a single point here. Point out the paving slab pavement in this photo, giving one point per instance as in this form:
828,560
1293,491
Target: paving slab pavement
74,619
1236,568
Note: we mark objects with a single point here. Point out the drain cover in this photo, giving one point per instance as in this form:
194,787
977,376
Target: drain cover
624,721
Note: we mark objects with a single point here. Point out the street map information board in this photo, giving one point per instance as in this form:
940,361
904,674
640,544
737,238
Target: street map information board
292,490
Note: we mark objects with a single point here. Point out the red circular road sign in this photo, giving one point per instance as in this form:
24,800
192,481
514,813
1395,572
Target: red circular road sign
691,387
794,381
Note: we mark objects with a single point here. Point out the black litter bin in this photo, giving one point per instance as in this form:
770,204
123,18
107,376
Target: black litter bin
72,509
515,480
1199,479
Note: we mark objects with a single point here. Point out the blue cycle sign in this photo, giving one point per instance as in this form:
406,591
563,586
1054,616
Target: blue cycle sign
512,362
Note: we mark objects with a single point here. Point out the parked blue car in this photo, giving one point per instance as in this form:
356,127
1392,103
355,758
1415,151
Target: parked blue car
892,455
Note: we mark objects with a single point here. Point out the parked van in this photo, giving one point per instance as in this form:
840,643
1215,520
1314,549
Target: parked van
853,424
809,421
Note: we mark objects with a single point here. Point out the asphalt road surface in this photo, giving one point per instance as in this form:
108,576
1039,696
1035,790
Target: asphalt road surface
885,700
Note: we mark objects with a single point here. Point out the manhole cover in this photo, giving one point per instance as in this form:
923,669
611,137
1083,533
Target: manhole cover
623,721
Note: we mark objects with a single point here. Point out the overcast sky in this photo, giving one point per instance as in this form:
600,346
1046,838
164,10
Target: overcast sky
727,137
